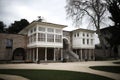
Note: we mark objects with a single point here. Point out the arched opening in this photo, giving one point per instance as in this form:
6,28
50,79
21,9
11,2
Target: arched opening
19,54
65,44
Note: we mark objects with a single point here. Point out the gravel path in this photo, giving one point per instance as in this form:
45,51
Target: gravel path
74,66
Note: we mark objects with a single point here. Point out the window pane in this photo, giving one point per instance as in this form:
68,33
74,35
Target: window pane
83,34
41,29
87,41
58,38
87,35
41,37
58,31
77,34
50,37
34,29
50,29
9,43
34,37
83,41
91,41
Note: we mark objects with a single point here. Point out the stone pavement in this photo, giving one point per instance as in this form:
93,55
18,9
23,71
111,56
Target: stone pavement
74,66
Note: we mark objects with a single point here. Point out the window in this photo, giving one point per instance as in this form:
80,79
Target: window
91,35
50,29
41,29
87,35
58,31
58,38
9,43
50,37
41,37
77,34
31,31
87,41
34,29
83,41
83,34
91,41
74,35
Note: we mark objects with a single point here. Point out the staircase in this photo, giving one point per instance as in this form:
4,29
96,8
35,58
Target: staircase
70,55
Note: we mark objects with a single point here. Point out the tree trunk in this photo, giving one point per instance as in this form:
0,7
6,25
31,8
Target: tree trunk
101,41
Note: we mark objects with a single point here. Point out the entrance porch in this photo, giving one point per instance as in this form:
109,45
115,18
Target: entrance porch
44,54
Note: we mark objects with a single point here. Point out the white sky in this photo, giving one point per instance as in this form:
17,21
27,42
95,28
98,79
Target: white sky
52,10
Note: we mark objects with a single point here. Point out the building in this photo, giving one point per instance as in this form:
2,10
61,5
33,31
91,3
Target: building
43,41
12,46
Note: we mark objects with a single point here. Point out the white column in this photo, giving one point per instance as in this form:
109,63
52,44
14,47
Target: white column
36,54
54,55
61,54
45,54
81,57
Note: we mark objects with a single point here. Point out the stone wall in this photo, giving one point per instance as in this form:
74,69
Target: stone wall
19,41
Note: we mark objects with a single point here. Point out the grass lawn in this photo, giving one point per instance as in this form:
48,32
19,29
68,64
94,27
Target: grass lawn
52,74
116,62
113,69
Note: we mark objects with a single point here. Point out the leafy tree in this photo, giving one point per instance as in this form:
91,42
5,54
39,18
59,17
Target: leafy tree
114,39
94,9
114,9
2,27
17,26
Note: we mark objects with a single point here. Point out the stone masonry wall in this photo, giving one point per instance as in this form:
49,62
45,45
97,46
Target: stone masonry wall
19,41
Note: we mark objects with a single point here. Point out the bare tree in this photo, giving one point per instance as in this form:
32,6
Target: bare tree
94,9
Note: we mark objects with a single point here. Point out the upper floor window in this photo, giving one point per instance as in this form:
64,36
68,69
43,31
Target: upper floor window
41,29
58,31
50,37
83,34
50,30
9,43
91,35
58,38
34,37
87,35
87,41
74,35
77,34
91,41
34,29
31,31
41,37
83,41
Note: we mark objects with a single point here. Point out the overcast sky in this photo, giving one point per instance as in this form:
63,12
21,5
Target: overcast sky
51,10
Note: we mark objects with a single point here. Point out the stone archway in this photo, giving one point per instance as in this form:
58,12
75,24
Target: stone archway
19,54
65,44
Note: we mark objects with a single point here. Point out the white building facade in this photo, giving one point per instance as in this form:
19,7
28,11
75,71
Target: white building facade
83,43
45,42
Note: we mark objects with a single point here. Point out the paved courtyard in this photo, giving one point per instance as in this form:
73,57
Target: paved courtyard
70,66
